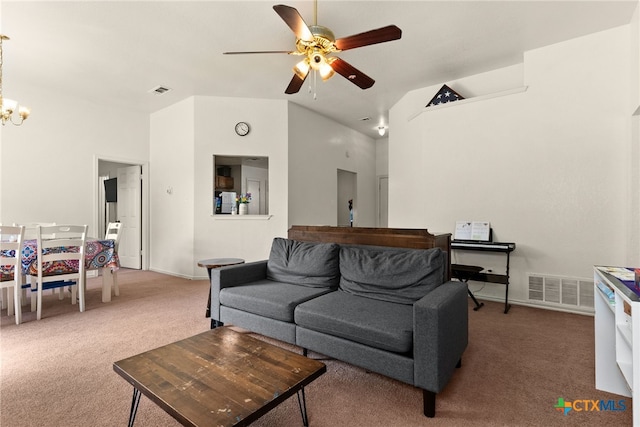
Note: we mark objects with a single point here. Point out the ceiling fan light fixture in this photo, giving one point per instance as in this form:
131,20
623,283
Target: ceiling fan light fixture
316,59
326,70
302,68
318,62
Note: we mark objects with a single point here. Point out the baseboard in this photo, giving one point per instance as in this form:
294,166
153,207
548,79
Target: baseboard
182,276
532,305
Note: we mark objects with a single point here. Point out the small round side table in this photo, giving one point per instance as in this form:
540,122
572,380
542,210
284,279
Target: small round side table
210,264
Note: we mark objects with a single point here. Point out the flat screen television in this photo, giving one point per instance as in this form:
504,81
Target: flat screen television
111,190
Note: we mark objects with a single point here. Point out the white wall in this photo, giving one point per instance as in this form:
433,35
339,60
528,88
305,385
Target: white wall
172,194
48,167
634,28
382,170
548,167
382,156
634,158
318,147
184,139
238,236
305,151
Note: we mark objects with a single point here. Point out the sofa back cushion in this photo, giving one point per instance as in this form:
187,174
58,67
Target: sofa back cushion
302,263
390,274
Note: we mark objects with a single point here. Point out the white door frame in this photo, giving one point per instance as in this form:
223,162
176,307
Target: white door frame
383,202
256,207
129,208
347,189
145,199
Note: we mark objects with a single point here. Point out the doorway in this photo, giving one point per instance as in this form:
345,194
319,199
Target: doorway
130,207
347,191
254,187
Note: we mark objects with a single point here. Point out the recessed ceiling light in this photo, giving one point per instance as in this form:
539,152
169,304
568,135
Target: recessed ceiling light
159,90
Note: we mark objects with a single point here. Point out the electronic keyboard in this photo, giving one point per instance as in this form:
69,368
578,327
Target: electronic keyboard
487,246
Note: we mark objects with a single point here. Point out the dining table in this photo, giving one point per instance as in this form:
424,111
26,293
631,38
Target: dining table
98,254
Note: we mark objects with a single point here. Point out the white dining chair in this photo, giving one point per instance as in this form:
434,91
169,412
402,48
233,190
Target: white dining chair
11,277
55,268
30,234
113,232
30,229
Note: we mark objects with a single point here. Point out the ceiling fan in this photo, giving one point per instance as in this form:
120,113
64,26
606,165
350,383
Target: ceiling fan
317,43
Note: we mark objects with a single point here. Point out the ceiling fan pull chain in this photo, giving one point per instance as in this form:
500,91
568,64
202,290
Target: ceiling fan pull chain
315,80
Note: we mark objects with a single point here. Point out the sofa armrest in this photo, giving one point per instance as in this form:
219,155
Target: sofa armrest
440,334
234,275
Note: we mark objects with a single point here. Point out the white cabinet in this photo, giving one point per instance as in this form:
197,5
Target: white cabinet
617,326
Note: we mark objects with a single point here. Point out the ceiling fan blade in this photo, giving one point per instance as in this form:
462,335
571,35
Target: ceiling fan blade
352,74
381,35
257,51
293,19
295,84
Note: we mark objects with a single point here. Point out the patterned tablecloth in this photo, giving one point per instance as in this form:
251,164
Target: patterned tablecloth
98,254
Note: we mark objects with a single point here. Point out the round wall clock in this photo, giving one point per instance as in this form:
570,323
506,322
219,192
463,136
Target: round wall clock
242,128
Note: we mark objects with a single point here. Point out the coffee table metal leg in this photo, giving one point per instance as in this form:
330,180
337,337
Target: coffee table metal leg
134,406
303,407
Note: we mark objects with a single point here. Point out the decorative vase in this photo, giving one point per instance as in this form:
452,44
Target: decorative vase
244,209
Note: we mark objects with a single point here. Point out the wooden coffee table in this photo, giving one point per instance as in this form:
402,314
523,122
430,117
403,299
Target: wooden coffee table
218,378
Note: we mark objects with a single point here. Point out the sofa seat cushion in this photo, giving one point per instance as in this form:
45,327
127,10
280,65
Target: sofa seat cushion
302,263
380,324
269,299
391,274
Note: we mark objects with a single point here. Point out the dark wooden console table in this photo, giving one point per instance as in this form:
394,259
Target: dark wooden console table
471,273
395,237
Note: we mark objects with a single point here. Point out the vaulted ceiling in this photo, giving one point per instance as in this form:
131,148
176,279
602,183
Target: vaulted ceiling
114,53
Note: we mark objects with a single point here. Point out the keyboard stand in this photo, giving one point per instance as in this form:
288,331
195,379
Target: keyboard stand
463,273
474,274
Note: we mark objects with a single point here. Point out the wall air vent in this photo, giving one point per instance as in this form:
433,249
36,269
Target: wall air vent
568,292
160,90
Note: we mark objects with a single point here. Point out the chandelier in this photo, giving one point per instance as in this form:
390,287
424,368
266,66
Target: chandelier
8,106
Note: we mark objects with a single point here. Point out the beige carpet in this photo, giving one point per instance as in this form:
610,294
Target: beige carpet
58,371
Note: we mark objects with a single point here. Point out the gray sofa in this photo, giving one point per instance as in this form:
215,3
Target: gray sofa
387,310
